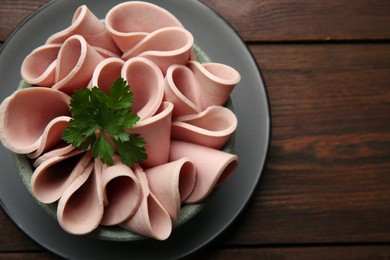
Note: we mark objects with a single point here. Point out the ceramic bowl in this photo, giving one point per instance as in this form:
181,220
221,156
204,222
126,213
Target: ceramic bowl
116,233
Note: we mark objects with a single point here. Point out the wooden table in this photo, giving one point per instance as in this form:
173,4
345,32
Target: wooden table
325,190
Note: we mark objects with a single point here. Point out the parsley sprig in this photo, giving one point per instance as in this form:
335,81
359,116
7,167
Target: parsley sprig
99,121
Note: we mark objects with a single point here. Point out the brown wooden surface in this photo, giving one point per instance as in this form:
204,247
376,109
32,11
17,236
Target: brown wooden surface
325,190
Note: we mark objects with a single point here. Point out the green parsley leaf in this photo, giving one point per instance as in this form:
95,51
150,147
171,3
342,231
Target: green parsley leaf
104,150
78,104
131,151
120,95
88,142
99,122
72,135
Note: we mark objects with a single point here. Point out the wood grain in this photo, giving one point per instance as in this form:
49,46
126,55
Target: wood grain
291,253
327,176
12,12
300,253
269,20
28,256
325,191
300,20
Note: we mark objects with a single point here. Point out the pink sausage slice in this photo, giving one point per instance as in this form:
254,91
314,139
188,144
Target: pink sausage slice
52,136
165,46
130,22
172,183
77,61
53,176
25,115
105,73
80,208
211,128
213,167
216,82
151,219
156,131
86,24
38,68
60,150
181,89
195,87
121,190
146,81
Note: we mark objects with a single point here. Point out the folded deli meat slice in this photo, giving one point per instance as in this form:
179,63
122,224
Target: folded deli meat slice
146,81
67,67
131,21
172,183
25,115
52,136
198,129
165,47
150,219
121,191
215,81
156,131
143,76
80,209
38,68
86,24
195,87
60,150
212,166
52,177
76,63
105,73
181,89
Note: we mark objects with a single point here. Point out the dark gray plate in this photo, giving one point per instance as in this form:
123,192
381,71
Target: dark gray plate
251,106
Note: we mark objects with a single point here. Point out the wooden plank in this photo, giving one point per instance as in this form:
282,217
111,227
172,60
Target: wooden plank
269,20
292,20
12,12
326,180
327,176
299,253
291,253
28,256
